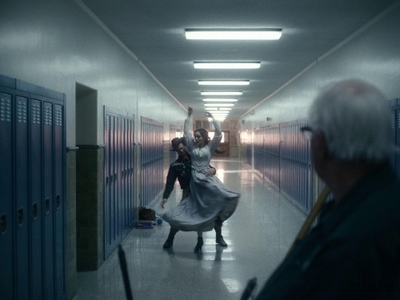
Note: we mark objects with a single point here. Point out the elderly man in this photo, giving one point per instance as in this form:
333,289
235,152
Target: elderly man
181,169
354,250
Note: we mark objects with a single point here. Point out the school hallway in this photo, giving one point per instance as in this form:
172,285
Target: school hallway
258,235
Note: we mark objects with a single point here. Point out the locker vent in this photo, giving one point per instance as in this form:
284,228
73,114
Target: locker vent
5,107
47,114
58,115
35,112
22,110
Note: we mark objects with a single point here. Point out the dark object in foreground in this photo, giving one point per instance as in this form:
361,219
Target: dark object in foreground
248,292
125,275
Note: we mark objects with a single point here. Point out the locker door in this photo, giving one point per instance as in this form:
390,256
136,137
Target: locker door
6,211
108,178
36,213
48,203
58,196
21,198
397,159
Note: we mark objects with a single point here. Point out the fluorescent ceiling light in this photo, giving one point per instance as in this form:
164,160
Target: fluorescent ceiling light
219,104
221,93
219,114
222,34
224,82
253,65
216,109
220,100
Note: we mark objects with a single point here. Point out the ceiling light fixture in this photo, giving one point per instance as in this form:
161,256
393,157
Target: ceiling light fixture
218,109
221,93
229,34
220,100
219,104
224,82
253,65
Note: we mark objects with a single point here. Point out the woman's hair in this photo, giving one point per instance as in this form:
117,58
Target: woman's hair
355,119
204,134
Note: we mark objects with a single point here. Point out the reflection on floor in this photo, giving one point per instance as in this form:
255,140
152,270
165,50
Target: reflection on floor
258,235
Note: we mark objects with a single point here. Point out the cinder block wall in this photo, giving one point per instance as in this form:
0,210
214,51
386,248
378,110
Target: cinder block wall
89,207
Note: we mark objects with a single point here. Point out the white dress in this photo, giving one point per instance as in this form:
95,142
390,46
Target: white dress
209,198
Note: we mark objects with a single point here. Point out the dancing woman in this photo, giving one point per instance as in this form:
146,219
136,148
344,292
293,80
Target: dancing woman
210,203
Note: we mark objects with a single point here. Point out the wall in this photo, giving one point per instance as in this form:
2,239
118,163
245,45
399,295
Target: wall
59,44
370,54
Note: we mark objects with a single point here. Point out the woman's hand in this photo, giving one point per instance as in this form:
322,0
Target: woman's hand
190,111
209,115
211,172
163,201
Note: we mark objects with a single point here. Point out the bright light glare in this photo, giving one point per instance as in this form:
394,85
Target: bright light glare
266,34
219,104
225,108
254,65
220,100
224,82
222,93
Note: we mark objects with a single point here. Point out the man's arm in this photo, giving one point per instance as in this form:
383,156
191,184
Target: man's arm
169,186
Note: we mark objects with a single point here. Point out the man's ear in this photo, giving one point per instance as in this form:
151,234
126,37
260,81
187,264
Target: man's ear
320,142
320,146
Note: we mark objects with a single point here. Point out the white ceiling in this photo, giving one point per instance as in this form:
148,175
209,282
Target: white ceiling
154,31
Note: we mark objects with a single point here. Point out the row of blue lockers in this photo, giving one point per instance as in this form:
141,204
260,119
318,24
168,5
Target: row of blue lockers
152,152
32,191
119,193
395,110
282,155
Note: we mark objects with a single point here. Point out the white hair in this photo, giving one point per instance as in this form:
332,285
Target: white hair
356,121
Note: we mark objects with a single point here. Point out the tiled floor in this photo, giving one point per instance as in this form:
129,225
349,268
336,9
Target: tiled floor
258,234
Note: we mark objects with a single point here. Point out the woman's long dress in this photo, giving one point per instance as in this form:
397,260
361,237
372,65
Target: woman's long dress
209,198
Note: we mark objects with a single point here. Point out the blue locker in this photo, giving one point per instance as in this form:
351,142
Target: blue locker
7,218
58,199
21,196
35,205
397,160
48,203
394,128
27,245
119,192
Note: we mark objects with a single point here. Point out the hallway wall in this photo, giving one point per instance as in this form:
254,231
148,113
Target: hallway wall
371,54
57,44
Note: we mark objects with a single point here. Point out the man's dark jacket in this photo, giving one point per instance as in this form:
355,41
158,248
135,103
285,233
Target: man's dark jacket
352,253
181,169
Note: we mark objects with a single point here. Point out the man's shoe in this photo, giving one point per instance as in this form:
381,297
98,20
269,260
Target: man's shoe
220,241
168,243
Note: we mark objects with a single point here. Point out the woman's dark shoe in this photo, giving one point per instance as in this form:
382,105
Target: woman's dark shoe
220,241
199,244
168,243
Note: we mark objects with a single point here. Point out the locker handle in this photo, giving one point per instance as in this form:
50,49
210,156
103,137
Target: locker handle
35,211
47,205
3,224
58,202
20,214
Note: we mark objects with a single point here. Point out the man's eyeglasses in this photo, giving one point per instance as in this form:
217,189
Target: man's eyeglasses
307,132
